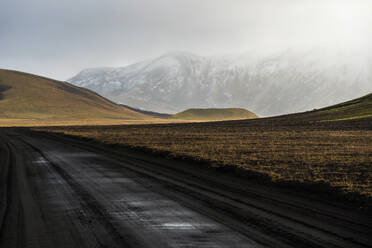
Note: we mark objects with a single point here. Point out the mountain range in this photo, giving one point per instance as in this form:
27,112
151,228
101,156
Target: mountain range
286,82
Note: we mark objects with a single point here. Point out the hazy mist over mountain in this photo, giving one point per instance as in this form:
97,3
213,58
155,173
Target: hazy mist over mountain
269,56
290,81
60,38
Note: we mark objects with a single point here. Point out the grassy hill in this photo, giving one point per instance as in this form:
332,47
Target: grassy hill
215,114
27,96
354,109
353,112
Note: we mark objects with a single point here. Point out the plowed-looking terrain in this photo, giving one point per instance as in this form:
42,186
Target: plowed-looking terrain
67,193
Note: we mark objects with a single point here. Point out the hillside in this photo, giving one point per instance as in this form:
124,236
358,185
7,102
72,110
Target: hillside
355,109
27,96
352,114
215,114
282,83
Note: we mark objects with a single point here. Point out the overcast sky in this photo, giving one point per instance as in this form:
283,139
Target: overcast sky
59,38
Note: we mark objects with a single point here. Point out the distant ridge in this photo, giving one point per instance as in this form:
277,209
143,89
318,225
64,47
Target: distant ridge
28,96
215,114
149,113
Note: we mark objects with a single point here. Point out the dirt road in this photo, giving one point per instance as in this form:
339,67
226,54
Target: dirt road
61,192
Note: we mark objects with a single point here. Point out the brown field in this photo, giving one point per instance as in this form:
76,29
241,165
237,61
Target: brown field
287,149
87,122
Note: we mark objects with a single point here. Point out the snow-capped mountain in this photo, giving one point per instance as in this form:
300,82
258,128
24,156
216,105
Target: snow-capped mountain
267,85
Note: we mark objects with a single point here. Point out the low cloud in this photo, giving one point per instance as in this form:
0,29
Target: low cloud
59,38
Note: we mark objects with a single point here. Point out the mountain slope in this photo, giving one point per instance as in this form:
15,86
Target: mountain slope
215,114
353,114
27,96
359,108
287,82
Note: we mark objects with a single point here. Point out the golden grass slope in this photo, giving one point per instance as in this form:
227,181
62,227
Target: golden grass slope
29,97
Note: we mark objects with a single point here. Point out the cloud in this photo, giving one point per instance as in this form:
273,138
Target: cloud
59,38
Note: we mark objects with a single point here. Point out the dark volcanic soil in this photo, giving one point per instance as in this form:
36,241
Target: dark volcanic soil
68,193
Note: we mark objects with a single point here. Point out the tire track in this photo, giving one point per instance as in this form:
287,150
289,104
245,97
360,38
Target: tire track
90,204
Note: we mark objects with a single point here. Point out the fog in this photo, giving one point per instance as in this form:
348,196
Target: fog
59,38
